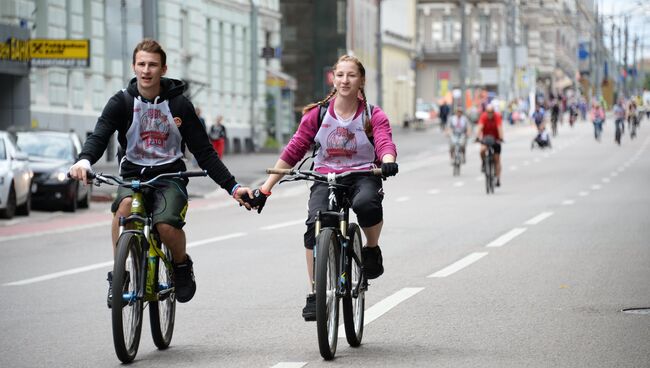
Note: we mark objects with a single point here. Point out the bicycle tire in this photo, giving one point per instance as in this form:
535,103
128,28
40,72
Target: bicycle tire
488,174
354,307
493,173
162,312
126,306
327,306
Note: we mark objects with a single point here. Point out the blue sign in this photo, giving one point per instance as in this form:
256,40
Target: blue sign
583,52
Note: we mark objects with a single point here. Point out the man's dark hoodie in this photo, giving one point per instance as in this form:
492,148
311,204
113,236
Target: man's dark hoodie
117,117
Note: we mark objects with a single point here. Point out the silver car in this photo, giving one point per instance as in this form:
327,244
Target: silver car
15,179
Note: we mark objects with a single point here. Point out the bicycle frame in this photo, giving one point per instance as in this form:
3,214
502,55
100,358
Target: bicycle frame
342,215
140,224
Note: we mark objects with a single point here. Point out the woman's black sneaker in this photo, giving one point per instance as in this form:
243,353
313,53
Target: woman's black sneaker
185,286
372,262
309,311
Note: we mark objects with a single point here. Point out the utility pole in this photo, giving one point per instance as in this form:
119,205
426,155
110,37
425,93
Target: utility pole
380,89
625,91
463,54
634,68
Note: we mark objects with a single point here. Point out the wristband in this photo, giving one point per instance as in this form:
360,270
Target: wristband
233,191
268,194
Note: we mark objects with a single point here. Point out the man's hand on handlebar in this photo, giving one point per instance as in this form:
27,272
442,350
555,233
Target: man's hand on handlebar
79,171
240,195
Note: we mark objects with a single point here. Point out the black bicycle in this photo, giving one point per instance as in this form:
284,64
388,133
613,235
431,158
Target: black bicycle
142,271
338,265
457,153
619,130
489,164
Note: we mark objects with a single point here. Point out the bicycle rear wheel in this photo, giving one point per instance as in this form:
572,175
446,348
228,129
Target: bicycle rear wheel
489,175
126,305
327,306
457,162
354,305
162,312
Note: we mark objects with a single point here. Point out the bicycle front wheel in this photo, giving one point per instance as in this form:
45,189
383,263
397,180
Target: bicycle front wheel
162,312
126,305
327,305
354,301
489,175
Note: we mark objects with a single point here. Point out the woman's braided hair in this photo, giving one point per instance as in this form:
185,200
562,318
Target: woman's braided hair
366,121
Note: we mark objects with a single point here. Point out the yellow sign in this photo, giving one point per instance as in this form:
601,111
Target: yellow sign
44,52
59,49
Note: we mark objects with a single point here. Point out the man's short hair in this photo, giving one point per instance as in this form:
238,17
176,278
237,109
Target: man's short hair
152,46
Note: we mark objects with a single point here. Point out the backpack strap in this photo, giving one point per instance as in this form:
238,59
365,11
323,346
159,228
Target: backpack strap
128,100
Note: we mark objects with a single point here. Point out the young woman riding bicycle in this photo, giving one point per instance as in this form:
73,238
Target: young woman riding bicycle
349,137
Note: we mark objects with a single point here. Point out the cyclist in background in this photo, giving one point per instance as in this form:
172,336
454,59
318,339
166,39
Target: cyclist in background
538,116
458,130
489,124
598,118
619,116
349,137
152,117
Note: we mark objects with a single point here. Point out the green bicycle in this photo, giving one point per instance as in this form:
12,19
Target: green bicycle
143,268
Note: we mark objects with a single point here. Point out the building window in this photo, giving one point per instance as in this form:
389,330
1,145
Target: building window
484,29
447,28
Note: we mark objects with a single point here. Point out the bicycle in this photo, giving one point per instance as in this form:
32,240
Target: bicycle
554,124
489,164
634,124
143,268
338,264
619,131
457,153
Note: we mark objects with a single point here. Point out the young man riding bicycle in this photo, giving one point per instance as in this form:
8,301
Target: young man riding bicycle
152,117
458,130
489,124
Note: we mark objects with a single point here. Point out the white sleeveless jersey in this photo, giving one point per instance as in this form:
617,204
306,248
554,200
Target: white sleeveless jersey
458,125
343,145
153,138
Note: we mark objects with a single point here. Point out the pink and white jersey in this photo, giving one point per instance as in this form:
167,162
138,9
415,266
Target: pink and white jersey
153,138
344,145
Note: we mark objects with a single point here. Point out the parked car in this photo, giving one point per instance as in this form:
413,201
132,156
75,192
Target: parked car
425,114
50,155
15,178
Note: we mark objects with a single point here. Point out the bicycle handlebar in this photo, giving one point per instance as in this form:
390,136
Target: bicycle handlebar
317,176
114,180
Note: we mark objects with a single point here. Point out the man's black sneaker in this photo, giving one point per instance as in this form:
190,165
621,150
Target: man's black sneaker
309,311
109,297
372,262
184,280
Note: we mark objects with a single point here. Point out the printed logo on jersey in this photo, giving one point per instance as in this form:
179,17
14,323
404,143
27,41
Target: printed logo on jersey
341,143
154,128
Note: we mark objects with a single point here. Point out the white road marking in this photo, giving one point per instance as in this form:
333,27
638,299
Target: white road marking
613,174
459,265
539,218
385,305
58,231
605,180
568,202
459,184
290,365
537,159
283,224
479,178
513,168
95,266
402,199
595,187
583,194
503,239
434,191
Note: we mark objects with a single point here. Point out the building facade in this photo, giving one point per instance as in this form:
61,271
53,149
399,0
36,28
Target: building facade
398,24
216,46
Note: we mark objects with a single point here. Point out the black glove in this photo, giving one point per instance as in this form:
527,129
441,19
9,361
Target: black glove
258,201
389,169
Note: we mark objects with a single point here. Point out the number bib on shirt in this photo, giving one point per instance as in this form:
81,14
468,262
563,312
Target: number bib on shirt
153,138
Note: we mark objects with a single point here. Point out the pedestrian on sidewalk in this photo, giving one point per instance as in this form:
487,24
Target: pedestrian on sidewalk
218,135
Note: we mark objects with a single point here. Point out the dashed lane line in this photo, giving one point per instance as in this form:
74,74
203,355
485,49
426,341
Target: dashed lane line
458,265
505,238
283,224
290,365
385,305
539,218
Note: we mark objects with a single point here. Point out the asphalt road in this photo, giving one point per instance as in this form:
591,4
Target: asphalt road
536,275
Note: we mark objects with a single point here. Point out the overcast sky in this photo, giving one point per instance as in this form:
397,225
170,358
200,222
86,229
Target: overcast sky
639,11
